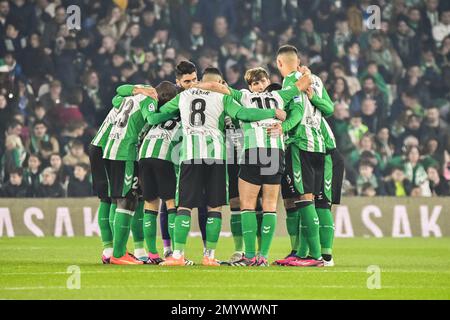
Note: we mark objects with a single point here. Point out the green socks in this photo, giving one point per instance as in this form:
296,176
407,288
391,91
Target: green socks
182,228
137,226
268,228
326,230
150,229
103,224
122,225
249,229
236,230
171,216
259,218
293,226
213,227
310,227
112,214
303,247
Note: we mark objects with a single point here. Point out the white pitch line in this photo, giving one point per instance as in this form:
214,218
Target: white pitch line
178,286
228,270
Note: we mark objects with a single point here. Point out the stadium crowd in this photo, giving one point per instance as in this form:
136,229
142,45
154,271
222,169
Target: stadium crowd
390,84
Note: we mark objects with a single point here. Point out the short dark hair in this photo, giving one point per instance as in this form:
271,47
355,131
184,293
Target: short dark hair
274,87
287,49
82,165
18,171
213,71
76,143
166,91
38,122
184,67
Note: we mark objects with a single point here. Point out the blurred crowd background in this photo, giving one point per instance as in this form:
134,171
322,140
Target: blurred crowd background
391,85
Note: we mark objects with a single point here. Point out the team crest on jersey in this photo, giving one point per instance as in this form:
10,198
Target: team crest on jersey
151,107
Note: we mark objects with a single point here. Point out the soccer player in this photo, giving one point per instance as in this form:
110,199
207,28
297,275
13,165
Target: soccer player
305,158
100,180
203,167
261,167
157,177
99,175
186,77
120,153
330,194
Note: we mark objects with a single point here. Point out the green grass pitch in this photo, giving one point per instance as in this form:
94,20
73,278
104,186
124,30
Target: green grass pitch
36,268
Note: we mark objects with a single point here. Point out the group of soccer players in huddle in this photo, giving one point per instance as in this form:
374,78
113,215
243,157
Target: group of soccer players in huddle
170,149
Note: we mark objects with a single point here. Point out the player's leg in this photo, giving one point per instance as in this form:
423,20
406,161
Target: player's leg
189,194
164,226
259,218
289,195
137,230
235,218
308,167
148,183
100,186
202,218
331,194
165,182
124,190
269,220
215,181
249,188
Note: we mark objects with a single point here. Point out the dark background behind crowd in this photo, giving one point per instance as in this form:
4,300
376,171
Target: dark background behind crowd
391,84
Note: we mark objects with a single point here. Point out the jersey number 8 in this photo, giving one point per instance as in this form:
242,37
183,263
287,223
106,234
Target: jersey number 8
198,118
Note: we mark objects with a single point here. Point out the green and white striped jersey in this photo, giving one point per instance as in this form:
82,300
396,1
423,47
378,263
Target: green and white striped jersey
305,116
161,140
328,136
202,116
255,133
103,132
129,122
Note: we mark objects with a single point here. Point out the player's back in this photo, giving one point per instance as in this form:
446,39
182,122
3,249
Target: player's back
128,124
202,119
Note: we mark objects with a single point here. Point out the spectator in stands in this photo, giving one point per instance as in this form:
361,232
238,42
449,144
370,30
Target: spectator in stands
366,176
40,135
54,97
79,184
49,187
415,172
397,185
61,170
369,91
114,25
76,154
14,154
438,186
32,173
16,186
442,29
340,93
353,61
357,129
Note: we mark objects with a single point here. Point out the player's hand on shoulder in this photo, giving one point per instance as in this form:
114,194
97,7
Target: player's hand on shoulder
304,70
304,82
146,91
310,93
280,114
